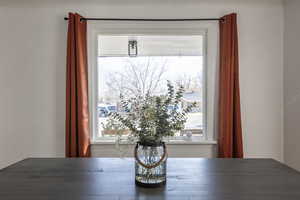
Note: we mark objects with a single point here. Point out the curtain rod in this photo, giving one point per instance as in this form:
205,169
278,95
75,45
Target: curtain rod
154,20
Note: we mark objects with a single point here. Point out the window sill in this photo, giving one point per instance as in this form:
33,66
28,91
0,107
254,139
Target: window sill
170,142
176,148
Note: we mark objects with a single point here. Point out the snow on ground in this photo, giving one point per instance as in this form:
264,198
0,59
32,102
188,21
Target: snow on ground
194,121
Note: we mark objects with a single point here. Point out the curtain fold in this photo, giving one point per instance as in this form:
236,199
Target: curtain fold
77,112
230,144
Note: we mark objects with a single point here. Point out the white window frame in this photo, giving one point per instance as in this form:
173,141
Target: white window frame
209,31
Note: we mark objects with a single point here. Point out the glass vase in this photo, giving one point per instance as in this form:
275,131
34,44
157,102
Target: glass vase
150,164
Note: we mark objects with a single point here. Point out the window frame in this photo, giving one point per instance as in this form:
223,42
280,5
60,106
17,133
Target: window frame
209,31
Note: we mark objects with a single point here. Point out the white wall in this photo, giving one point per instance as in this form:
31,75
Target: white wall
32,61
292,84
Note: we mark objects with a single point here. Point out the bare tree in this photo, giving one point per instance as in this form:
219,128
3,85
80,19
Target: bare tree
189,82
185,81
139,77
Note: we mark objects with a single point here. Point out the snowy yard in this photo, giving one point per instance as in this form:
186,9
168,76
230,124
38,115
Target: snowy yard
194,121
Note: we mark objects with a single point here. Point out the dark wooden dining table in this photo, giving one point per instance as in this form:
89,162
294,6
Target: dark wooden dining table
113,179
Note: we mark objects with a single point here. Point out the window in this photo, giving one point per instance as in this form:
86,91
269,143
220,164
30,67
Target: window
181,59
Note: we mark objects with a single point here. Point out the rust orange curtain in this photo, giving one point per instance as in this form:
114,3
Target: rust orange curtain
77,113
230,144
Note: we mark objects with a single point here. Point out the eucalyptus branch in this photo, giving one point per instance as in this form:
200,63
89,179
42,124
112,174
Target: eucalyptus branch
150,119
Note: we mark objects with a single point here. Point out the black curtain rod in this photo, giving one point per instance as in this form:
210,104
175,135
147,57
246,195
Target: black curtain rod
153,20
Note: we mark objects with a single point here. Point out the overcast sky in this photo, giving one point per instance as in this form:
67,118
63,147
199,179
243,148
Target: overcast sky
175,67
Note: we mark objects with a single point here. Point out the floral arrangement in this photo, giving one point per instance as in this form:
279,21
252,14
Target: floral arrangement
150,118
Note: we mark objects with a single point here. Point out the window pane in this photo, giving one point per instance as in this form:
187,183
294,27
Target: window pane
131,76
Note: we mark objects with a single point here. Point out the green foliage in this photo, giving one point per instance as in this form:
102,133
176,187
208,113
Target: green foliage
150,118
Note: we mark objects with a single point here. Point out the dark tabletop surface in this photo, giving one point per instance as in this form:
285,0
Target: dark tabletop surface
113,178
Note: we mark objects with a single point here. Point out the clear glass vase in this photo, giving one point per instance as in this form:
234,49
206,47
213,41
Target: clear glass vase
150,164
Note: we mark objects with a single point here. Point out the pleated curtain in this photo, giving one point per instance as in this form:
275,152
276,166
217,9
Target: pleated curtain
230,142
77,112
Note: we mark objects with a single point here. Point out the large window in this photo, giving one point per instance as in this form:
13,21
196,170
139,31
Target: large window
179,59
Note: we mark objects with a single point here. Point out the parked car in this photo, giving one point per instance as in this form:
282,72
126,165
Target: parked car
105,109
174,108
112,108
